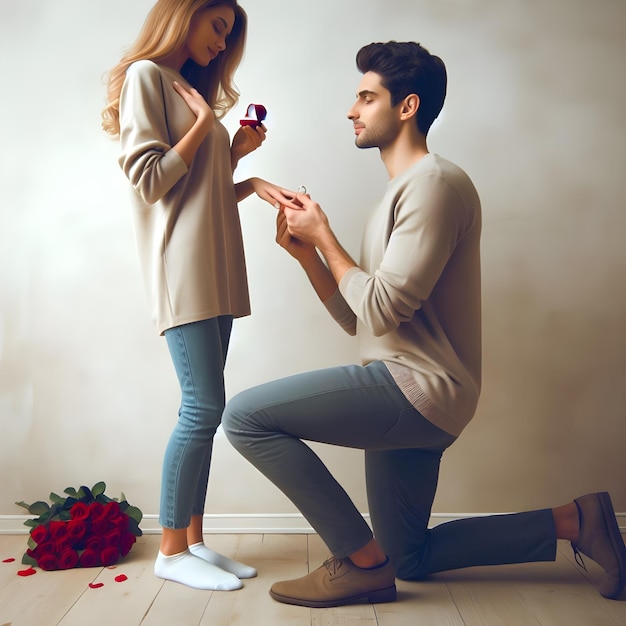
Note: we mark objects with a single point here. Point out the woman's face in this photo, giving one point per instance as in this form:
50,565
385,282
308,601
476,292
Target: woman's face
207,33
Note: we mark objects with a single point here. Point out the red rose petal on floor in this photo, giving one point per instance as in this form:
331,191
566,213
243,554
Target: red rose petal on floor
121,578
27,572
96,585
9,560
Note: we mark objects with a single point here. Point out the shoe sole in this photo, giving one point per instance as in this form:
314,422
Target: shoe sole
615,537
373,597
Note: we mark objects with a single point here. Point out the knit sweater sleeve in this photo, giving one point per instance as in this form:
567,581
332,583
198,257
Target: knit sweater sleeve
341,312
147,159
427,220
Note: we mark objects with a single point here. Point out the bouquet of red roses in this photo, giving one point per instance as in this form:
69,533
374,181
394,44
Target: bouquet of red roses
85,529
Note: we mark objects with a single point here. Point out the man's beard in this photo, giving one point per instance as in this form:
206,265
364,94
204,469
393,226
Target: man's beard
376,137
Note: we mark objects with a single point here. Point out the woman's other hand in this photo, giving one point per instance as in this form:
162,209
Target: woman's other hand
246,140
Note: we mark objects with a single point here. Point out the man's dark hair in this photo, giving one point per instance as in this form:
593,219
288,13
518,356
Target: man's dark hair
406,68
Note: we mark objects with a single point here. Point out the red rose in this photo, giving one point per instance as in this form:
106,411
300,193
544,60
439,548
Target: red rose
58,530
122,522
96,509
48,561
79,511
126,543
76,530
94,542
109,556
39,533
46,547
90,558
112,510
68,559
62,544
112,538
100,526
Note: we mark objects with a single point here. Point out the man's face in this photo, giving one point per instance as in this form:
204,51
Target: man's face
376,122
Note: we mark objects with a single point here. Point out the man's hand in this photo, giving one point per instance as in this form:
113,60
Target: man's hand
299,250
305,253
307,222
309,225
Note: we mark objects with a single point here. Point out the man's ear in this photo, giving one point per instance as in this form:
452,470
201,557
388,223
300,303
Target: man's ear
409,107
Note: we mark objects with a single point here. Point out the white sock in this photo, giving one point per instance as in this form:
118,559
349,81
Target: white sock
223,562
187,569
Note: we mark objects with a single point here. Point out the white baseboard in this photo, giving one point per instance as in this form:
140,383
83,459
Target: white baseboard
268,523
279,523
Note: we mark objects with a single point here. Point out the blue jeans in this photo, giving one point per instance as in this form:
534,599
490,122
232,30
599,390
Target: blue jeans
362,407
198,351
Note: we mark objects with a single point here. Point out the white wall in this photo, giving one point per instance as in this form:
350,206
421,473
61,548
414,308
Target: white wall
535,114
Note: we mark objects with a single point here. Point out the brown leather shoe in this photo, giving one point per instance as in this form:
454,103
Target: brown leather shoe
338,582
600,540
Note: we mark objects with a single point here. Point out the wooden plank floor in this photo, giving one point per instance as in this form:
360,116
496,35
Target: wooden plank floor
538,594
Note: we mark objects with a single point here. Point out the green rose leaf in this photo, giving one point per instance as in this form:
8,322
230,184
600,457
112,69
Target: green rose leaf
134,513
57,499
39,508
98,489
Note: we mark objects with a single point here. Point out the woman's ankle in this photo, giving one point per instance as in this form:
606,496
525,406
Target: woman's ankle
194,530
173,541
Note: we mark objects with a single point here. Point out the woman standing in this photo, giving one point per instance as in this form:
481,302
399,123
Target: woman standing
166,97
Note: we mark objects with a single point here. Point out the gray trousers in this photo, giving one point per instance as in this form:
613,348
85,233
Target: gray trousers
362,407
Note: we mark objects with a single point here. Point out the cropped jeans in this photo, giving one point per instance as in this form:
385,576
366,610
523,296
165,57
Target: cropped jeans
362,407
198,351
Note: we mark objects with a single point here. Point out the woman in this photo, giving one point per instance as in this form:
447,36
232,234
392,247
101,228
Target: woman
166,97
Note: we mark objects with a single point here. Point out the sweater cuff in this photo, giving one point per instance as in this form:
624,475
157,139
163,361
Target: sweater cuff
341,312
174,165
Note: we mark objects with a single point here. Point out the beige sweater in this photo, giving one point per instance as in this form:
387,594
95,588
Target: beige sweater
186,220
414,302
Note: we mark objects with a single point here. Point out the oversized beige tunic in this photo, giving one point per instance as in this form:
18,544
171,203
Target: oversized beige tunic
186,220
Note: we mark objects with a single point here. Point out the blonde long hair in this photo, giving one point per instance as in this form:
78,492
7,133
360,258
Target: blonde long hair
165,31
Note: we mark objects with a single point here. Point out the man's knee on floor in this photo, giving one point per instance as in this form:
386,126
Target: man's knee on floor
406,568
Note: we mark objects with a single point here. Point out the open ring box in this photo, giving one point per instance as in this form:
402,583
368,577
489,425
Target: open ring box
255,115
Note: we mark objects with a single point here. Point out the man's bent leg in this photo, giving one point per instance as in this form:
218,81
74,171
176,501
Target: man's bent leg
350,406
401,487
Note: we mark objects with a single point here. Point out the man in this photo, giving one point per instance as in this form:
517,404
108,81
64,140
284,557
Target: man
414,303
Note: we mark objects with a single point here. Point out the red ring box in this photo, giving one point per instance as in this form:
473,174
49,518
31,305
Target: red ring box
255,115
